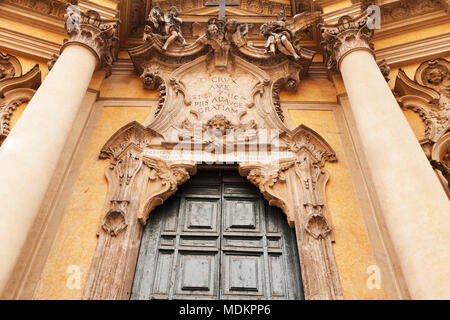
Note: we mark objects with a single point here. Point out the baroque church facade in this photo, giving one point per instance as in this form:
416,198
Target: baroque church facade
188,149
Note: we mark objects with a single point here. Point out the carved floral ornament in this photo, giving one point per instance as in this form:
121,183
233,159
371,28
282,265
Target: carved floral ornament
15,89
88,29
347,35
429,96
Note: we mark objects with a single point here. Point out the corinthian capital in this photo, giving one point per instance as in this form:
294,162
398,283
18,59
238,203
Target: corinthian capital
347,35
91,31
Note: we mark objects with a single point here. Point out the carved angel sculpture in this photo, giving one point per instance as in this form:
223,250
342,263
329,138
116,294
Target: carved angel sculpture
155,21
165,26
235,32
281,35
173,28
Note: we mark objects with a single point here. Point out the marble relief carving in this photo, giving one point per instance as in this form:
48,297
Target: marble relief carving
429,95
218,97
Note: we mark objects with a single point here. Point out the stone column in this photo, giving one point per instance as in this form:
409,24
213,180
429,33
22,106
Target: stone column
413,203
29,155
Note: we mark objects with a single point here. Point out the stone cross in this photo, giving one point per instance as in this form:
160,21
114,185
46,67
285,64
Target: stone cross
222,4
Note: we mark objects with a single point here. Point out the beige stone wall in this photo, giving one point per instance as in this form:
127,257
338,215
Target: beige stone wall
76,238
352,249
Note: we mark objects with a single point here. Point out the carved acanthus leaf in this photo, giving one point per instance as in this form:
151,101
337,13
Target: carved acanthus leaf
347,35
166,177
99,35
266,177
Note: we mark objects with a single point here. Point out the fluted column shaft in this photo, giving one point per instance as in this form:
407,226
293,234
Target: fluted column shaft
29,155
413,203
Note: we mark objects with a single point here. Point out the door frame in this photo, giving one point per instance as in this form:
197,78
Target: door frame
137,183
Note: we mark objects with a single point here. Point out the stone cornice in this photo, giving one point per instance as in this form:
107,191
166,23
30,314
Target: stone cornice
416,51
333,16
26,45
49,22
394,26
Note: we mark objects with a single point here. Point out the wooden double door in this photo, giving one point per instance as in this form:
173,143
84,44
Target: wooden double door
217,238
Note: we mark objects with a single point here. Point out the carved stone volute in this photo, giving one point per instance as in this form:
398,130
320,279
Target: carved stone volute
347,35
91,31
9,67
429,96
297,186
15,89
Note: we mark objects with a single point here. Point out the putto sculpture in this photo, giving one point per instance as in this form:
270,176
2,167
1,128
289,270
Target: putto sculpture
165,26
282,36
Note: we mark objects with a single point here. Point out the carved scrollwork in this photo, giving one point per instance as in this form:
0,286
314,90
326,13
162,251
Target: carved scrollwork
6,111
347,35
166,177
266,177
9,67
136,185
15,91
429,96
216,132
297,186
97,34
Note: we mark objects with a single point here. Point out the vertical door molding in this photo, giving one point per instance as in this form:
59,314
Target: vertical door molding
136,185
297,186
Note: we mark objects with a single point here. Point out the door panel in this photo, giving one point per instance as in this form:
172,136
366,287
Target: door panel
217,239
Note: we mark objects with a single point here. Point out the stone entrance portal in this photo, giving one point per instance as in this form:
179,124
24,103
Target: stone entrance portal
218,103
217,238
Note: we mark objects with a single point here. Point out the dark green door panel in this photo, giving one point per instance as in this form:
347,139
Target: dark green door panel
217,239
